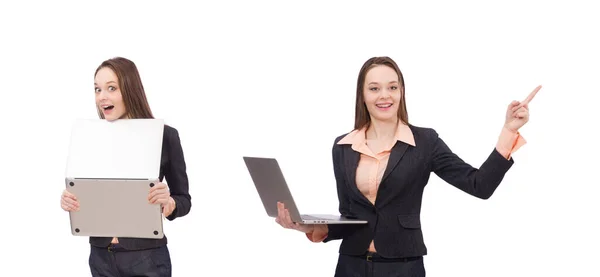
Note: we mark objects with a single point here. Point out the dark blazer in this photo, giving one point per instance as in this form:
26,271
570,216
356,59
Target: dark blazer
173,168
394,219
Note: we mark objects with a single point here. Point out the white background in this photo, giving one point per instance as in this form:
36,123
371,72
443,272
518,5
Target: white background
278,79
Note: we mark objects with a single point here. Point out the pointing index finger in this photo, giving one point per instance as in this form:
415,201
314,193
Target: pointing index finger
531,95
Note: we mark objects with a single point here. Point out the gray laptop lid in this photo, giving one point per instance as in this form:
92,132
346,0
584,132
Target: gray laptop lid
271,186
121,149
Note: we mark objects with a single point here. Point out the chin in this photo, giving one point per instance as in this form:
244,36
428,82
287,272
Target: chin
110,118
384,118
113,117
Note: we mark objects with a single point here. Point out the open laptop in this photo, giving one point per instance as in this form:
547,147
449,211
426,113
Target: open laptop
272,188
111,168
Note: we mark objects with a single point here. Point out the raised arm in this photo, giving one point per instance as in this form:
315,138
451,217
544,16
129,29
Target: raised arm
480,182
483,181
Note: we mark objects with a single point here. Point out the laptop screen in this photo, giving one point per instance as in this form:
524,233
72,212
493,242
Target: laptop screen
121,149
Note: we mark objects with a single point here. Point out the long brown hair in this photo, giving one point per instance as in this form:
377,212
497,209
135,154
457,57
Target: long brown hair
130,84
362,117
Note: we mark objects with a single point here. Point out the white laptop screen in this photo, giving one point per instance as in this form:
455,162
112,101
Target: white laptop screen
122,149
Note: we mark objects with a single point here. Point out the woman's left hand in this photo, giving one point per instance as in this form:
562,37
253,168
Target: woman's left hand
159,194
517,113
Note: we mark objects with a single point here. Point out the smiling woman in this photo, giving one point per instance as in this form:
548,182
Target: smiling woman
381,169
120,96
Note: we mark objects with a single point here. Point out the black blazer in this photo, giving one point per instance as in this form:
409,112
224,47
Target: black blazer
394,220
173,168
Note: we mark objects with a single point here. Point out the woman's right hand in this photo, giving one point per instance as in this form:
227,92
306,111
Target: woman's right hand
69,202
284,219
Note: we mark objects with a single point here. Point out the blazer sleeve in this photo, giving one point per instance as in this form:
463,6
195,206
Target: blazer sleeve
340,231
177,178
480,182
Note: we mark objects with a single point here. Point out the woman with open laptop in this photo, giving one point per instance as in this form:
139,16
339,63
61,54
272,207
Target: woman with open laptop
120,95
381,169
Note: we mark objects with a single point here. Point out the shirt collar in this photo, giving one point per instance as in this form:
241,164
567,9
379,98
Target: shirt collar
357,137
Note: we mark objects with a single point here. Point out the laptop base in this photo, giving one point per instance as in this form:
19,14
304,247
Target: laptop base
114,208
329,219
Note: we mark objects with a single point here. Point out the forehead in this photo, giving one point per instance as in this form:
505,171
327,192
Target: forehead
105,75
381,74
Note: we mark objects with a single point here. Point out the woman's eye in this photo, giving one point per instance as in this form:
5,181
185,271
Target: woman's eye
111,88
97,90
394,88
373,89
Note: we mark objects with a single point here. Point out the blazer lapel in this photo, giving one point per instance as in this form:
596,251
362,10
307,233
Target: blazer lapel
351,159
397,152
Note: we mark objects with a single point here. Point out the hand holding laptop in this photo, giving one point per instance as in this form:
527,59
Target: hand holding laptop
160,194
275,195
285,220
68,201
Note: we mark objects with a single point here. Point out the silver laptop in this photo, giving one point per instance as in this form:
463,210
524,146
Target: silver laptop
272,188
111,168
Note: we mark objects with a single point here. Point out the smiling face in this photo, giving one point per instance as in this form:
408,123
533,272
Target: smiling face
382,93
109,99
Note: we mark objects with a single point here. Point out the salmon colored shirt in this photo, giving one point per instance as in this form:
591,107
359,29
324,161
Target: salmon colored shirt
372,165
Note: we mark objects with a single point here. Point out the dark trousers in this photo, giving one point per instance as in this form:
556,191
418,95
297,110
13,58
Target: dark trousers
115,261
351,266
